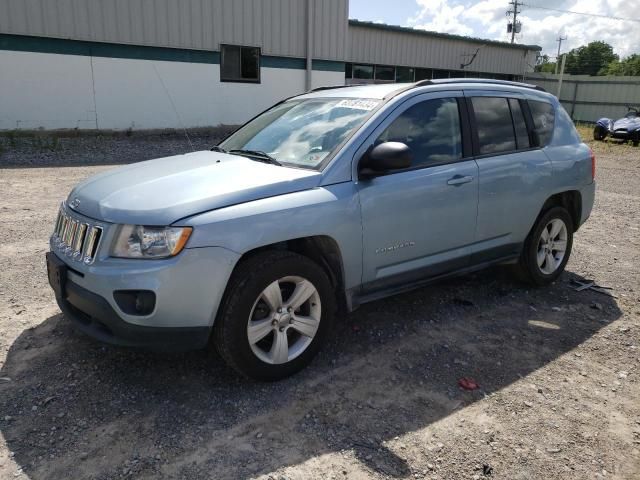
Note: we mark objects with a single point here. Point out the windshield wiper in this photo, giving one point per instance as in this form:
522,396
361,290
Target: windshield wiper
218,149
258,155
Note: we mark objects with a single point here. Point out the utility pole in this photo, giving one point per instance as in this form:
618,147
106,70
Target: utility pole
560,39
564,59
514,11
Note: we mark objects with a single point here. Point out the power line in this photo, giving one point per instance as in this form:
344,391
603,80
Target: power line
597,15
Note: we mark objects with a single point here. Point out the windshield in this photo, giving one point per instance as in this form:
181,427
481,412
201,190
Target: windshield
632,114
302,133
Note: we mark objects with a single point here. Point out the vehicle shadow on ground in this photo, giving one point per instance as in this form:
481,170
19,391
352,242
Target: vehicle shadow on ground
76,409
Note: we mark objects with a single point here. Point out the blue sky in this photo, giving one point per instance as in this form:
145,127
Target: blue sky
486,19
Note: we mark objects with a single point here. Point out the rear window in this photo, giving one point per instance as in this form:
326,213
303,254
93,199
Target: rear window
543,119
493,121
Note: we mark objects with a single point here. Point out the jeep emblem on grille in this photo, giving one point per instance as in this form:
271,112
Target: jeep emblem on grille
75,203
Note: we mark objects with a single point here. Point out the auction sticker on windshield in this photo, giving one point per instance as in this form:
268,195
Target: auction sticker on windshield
358,104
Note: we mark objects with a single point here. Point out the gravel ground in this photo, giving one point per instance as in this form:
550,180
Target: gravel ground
558,370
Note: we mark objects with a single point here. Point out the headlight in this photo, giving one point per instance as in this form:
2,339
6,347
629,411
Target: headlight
137,241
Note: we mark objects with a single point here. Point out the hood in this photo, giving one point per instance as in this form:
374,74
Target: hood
628,124
159,192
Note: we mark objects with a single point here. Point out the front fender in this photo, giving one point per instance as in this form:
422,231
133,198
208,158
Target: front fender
604,122
332,211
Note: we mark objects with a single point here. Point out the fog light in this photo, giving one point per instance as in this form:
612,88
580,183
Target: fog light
135,302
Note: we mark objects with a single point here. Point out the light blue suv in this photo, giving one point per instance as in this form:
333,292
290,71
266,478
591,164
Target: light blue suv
329,199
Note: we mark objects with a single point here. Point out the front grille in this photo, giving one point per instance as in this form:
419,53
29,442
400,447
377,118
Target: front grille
75,238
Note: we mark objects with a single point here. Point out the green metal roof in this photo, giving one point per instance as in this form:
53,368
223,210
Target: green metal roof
426,33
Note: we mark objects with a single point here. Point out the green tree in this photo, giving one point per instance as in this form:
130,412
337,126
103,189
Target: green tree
545,65
590,59
627,66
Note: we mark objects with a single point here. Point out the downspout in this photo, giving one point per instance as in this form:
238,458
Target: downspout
309,43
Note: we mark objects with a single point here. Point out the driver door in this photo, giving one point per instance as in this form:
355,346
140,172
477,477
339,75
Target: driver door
420,222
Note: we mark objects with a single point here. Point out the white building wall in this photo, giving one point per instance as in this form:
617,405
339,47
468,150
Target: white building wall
54,91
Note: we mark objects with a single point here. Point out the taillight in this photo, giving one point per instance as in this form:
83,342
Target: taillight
593,166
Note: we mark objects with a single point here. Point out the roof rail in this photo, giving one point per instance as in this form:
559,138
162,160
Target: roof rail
329,87
423,83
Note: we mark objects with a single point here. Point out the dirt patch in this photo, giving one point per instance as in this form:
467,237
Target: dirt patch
558,370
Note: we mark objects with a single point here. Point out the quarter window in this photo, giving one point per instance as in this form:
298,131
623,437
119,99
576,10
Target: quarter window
519,125
239,64
494,126
431,129
543,118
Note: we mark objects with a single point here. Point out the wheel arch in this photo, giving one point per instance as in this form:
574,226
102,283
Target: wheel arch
322,249
569,199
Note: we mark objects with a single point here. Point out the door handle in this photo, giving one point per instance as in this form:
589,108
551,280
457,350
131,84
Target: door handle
457,180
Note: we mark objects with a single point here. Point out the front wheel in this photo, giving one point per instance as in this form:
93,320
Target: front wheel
277,311
599,133
547,248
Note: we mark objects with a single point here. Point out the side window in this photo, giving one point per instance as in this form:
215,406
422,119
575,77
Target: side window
519,125
543,119
493,122
431,129
239,64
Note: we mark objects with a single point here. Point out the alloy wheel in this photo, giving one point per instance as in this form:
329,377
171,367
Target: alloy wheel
284,320
552,246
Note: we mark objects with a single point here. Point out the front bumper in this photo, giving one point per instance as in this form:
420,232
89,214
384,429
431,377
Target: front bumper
622,134
93,315
188,289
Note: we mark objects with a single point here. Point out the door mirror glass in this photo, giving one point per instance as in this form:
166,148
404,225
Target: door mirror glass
385,157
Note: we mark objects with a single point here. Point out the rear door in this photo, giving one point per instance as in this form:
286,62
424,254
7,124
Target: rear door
514,174
420,222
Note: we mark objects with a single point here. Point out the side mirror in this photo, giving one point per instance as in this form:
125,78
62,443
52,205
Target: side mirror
385,157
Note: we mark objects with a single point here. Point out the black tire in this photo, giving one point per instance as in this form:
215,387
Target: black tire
247,282
527,267
635,139
599,133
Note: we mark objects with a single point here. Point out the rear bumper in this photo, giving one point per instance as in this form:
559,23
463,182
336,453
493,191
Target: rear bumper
94,316
588,194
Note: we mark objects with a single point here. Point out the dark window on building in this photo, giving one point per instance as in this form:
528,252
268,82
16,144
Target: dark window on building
239,64
423,74
404,74
440,74
519,125
494,125
364,72
543,118
431,129
348,70
385,73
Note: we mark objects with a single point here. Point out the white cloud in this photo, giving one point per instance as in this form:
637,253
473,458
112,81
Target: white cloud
487,19
439,16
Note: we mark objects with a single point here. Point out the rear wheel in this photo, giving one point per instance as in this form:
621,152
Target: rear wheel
276,314
547,248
